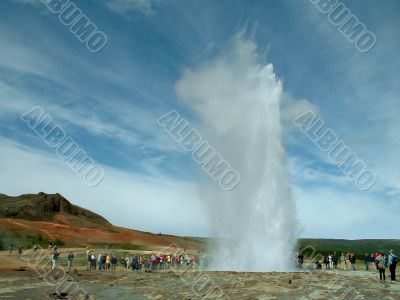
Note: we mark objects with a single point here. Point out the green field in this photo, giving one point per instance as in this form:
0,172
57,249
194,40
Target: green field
358,247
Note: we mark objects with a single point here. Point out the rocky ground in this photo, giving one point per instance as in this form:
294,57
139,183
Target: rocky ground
25,280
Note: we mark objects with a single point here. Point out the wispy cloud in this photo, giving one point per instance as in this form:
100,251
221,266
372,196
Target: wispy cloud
30,2
125,6
320,207
118,119
292,108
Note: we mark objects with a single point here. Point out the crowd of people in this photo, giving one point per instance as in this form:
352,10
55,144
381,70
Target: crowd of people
160,261
150,262
144,262
382,263
100,262
377,261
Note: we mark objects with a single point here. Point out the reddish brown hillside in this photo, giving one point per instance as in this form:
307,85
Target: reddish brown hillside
54,217
48,207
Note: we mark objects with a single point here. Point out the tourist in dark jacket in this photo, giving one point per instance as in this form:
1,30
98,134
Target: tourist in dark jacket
318,265
300,260
392,265
335,259
371,261
326,262
114,262
353,260
366,262
70,259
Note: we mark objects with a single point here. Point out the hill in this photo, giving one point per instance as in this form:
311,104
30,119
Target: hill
38,218
48,207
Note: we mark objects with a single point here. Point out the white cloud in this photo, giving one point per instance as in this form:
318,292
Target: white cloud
23,59
130,123
124,6
291,109
129,130
366,112
304,173
31,2
327,212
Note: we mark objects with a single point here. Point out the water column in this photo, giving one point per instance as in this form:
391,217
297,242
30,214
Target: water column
236,97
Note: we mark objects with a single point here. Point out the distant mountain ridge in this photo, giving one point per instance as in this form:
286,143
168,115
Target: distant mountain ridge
48,207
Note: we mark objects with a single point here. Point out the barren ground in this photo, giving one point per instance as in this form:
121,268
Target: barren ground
23,280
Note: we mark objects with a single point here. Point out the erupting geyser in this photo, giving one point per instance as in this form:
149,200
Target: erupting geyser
237,98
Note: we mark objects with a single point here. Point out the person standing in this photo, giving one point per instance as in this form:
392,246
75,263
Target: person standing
54,258
392,265
353,260
366,262
70,259
343,261
330,262
381,260
128,259
326,262
93,261
153,261
335,258
371,261
50,246
300,260
113,262
11,248
141,262
376,256
101,262
318,265
108,262
89,259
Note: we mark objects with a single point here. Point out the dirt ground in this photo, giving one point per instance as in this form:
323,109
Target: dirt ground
24,279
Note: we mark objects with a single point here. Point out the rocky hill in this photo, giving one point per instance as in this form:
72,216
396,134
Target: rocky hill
30,218
48,207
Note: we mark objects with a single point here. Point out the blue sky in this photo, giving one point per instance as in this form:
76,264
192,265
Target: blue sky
109,103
